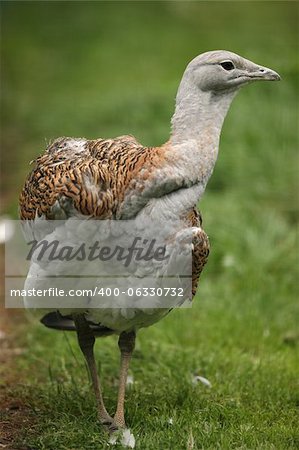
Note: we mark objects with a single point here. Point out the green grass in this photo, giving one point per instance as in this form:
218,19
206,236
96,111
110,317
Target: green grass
104,69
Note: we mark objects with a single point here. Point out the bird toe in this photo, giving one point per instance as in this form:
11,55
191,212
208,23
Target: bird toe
110,425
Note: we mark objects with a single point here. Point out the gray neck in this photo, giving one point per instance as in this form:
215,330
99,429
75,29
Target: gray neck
199,115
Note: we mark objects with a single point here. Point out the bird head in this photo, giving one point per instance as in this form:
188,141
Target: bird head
223,70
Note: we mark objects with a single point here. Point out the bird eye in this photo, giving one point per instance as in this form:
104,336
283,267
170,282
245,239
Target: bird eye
227,65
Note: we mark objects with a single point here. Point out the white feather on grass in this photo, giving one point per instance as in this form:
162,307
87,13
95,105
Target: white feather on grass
199,379
125,438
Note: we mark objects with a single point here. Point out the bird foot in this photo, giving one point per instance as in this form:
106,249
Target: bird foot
111,425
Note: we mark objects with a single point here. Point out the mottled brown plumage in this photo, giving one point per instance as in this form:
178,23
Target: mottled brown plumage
94,176
201,248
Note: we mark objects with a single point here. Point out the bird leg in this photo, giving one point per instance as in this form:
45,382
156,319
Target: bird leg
126,345
86,342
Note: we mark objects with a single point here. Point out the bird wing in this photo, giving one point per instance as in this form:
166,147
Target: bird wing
105,179
200,247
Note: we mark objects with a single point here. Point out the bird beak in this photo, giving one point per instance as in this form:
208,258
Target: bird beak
263,73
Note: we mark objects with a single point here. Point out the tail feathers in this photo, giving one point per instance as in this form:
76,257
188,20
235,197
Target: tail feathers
65,323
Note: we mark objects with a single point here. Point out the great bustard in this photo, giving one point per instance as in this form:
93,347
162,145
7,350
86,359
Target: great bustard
131,180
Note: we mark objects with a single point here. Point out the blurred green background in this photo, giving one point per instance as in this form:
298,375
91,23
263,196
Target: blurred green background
102,69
